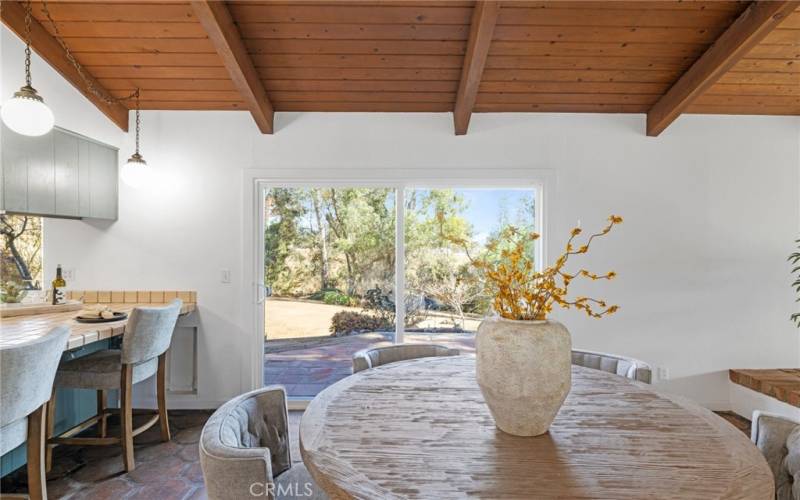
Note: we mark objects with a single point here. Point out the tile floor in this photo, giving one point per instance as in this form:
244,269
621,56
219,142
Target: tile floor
164,471
313,366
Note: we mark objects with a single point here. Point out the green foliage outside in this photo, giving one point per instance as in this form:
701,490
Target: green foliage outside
338,246
21,252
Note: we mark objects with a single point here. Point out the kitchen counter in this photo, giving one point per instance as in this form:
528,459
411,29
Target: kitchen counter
21,329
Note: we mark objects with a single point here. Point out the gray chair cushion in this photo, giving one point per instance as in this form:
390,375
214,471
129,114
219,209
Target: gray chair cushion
13,435
370,358
778,438
613,363
100,370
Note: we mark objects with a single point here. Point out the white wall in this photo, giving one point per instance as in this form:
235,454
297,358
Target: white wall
711,210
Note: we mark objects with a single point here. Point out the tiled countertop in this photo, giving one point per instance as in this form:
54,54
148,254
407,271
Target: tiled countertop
21,329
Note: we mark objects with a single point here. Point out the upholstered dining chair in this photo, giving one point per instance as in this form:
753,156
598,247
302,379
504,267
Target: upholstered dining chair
613,363
144,349
377,356
26,381
778,438
245,451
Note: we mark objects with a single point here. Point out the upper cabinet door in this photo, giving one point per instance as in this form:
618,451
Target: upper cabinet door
67,159
15,171
102,181
41,175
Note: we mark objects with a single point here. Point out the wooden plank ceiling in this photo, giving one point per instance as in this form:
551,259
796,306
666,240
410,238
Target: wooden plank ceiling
407,56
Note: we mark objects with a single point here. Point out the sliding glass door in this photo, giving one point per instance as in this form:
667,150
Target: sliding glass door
347,268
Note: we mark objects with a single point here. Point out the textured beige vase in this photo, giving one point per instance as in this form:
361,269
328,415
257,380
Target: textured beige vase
524,372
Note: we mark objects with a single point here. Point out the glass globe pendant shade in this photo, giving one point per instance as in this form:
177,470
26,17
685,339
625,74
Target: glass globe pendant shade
27,114
135,171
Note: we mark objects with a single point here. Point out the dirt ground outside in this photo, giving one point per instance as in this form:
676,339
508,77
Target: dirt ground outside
291,319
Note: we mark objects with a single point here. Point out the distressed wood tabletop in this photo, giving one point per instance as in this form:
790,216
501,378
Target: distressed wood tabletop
420,429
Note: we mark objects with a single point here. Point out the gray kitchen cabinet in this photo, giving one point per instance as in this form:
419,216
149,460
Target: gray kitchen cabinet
60,174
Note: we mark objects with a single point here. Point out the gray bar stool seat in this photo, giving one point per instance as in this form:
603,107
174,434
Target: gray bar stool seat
145,342
377,356
26,381
613,363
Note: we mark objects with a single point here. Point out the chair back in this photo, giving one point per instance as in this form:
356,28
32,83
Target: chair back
778,438
613,363
149,332
27,372
372,357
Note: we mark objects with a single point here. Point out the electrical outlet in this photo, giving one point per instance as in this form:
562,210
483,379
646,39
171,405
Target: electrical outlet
663,373
68,274
225,275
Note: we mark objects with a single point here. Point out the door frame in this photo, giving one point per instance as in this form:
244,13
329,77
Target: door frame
257,180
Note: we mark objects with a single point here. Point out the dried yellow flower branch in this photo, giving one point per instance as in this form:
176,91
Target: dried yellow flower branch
519,292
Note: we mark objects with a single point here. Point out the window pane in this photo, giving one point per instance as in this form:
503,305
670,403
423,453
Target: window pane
445,301
21,254
329,264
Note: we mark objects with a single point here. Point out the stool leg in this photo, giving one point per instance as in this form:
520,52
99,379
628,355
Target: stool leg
161,389
37,487
126,416
50,430
101,410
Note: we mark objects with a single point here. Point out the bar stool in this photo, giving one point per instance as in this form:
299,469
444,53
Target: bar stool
26,380
144,348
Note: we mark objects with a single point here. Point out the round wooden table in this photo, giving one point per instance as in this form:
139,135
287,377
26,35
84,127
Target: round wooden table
420,429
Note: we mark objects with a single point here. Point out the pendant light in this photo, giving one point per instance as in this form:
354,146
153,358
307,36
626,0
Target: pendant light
26,113
135,171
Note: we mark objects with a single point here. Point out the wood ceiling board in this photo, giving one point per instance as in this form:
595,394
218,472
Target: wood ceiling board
185,95
165,84
193,106
159,72
379,107
768,65
574,87
88,29
562,108
167,59
753,89
605,34
588,49
418,97
116,12
589,63
744,110
752,26
422,74
610,16
387,47
354,31
362,85
488,99
760,78
43,43
139,45
748,100
765,51
352,14
697,6
783,37
567,75
223,33
356,61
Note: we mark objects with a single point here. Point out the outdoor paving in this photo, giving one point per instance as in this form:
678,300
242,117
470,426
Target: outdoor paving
306,371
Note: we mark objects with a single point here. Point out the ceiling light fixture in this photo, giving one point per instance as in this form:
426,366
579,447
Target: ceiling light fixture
135,171
26,113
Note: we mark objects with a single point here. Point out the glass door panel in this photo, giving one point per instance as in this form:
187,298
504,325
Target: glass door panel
444,228
329,267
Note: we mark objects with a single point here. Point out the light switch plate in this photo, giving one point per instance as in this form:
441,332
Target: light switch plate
225,275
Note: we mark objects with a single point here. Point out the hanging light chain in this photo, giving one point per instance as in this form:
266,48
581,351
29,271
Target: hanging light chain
138,121
90,84
28,43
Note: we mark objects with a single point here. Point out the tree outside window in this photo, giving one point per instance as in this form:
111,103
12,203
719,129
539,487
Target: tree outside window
21,253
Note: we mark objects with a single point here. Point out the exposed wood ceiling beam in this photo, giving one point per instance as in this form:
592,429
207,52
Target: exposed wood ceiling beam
755,23
484,18
50,50
223,33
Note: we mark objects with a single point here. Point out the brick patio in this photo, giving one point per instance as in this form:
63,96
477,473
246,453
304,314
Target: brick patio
316,364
